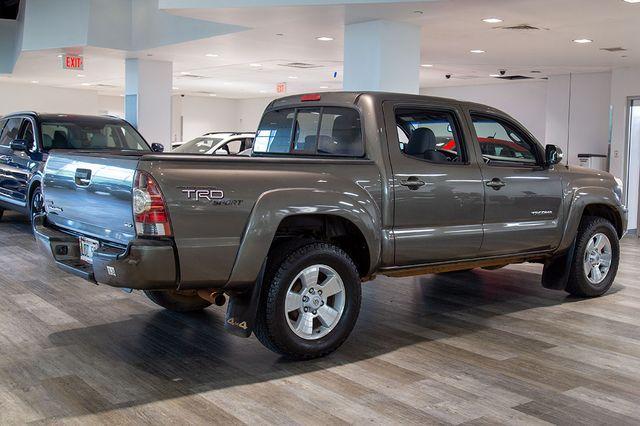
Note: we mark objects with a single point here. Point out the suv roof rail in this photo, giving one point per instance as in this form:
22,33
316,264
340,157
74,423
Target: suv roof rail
20,113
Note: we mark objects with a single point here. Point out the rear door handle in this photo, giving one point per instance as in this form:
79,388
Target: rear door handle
496,184
412,183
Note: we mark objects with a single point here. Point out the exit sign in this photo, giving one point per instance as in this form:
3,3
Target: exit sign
281,88
72,62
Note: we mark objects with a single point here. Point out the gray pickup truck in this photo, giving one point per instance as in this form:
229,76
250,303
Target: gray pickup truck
339,187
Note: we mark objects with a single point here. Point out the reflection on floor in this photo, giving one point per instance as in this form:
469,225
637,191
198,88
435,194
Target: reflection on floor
478,347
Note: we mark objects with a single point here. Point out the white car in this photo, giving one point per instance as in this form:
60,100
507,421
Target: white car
226,143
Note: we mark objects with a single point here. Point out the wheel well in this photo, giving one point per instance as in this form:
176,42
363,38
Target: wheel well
606,212
332,229
32,188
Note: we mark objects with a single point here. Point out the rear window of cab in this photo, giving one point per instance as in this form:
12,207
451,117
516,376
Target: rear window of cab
312,131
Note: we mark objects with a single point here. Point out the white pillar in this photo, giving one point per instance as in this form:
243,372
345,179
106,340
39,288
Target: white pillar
382,56
148,87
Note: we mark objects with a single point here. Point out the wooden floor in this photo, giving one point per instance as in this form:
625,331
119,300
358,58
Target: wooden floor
476,348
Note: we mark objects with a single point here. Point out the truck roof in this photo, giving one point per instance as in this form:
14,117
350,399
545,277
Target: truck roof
350,98
76,118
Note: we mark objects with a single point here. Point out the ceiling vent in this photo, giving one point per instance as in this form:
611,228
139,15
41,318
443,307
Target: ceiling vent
514,77
614,49
521,27
300,65
465,77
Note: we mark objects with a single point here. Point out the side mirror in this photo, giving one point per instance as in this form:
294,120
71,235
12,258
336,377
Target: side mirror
157,147
19,145
553,155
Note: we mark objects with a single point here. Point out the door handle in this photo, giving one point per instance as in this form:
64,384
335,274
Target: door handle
412,183
496,184
83,177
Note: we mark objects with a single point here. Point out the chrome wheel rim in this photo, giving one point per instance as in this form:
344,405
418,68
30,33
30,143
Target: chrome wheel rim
314,302
597,258
37,204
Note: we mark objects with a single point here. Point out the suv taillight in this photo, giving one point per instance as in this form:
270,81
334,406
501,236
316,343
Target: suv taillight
149,209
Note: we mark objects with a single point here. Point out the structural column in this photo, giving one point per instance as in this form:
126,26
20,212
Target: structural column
148,87
382,56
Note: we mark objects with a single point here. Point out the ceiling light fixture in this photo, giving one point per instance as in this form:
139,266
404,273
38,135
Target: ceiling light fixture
184,72
175,88
226,83
85,84
324,38
632,1
582,40
293,77
324,87
212,94
494,75
59,56
81,75
211,55
35,81
492,20
426,65
477,51
255,65
263,91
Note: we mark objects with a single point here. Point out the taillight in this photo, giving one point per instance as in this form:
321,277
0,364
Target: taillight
149,209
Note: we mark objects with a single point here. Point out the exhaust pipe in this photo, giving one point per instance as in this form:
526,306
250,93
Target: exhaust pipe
214,297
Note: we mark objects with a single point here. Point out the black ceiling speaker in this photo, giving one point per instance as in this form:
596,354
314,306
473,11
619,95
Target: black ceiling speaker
9,9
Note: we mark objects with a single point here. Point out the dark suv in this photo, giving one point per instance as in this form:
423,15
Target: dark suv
27,137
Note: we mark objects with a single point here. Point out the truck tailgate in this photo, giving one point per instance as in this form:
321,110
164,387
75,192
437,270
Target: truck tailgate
90,194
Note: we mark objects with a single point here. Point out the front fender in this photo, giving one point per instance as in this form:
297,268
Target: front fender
583,197
274,206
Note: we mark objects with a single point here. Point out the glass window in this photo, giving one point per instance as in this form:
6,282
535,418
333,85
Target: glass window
234,146
91,134
501,143
274,135
27,135
201,145
326,131
11,131
429,135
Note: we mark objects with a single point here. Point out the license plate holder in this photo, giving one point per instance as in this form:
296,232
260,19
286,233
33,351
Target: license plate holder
87,247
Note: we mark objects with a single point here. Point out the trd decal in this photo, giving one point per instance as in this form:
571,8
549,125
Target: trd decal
199,194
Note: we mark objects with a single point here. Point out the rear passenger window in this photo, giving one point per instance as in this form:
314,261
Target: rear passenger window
429,135
10,131
325,131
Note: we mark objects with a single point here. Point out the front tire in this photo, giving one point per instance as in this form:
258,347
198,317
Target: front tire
177,301
596,258
36,204
310,302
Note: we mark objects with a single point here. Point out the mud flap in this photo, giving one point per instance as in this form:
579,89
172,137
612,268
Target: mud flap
243,308
555,274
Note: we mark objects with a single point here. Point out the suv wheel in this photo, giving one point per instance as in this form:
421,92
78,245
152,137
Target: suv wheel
596,258
37,204
311,300
184,301
1,213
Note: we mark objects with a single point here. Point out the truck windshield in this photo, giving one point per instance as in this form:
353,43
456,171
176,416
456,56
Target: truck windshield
91,134
201,145
312,131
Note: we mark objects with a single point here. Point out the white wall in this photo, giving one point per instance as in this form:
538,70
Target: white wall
577,114
250,111
525,101
205,114
23,97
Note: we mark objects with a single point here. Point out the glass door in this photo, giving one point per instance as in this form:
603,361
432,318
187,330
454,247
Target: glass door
632,184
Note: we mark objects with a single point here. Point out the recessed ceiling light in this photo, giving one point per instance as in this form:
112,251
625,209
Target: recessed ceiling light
293,77
324,38
184,72
263,91
211,55
59,56
85,84
632,1
226,83
494,75
212,94
582,41
81,75
35,81
324,87
426,65
492,20
175,88
477,51
255,65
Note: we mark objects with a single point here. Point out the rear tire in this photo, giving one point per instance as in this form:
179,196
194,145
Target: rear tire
177,301
310,301
596,258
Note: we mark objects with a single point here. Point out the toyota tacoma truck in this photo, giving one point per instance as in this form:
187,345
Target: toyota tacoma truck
339,187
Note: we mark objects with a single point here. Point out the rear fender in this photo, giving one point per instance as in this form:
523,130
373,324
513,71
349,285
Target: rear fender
274,206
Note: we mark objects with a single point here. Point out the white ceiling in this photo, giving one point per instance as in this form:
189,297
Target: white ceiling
450,29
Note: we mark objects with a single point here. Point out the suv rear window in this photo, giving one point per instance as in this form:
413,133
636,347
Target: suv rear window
318,131
91,134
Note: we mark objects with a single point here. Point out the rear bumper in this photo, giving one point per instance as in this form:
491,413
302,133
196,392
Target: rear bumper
142,265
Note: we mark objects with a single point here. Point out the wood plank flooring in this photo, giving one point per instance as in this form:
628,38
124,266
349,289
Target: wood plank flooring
472,348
